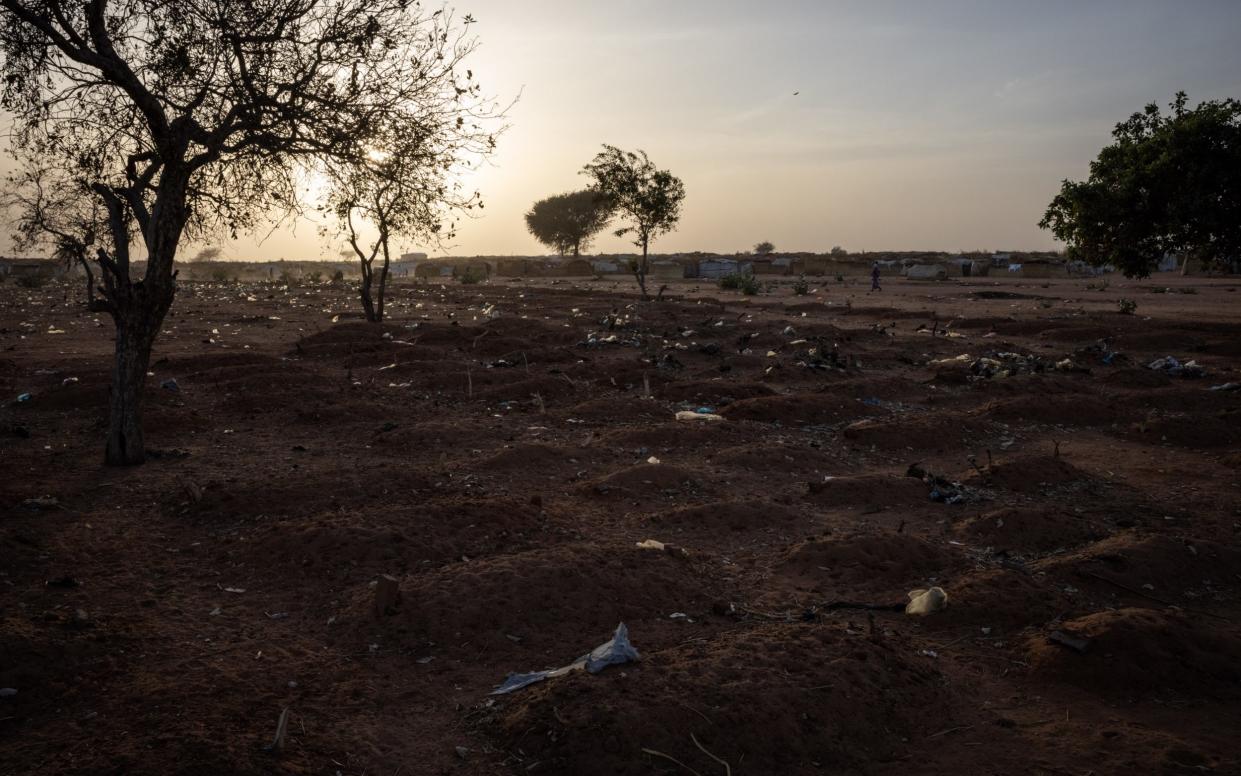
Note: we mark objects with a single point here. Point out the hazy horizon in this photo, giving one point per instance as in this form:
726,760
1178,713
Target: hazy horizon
894,126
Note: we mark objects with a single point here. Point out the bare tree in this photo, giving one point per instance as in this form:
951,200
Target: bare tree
649,198
199,116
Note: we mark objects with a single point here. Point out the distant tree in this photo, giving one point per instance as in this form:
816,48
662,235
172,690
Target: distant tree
839,252
191,118
401,190
649,198
764,249
568,222
208,254
1167,184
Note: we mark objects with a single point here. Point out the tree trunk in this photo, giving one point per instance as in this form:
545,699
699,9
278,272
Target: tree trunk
640,273
383,284
368,304
134,337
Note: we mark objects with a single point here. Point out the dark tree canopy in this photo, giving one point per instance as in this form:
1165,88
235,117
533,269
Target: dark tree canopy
648,198
567,223
1167,184
193,117
765,248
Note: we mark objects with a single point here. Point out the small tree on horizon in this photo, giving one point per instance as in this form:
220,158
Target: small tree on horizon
1167,184
403,190
765,248
568,222
839,252
649,198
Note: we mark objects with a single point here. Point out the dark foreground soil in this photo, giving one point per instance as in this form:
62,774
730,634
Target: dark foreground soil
493,450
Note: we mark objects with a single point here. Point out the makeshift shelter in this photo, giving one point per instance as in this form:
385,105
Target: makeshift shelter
927,272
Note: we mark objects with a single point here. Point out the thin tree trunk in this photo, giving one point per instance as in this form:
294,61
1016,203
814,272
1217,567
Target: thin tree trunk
641,271
368,304
383,284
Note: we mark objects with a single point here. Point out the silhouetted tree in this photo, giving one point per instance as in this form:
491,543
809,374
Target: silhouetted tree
839,252
1168,184
568,222
208,254
649,198
398,194
187,118
764,248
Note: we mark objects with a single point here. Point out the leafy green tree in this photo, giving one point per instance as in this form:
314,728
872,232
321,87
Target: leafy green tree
1167,184
648,198
568,222
764,248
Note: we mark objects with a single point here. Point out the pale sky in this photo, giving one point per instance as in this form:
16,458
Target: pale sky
927,124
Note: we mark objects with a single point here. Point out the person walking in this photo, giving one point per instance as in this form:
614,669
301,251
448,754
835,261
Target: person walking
874,277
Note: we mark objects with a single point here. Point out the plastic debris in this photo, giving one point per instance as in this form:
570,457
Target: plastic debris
7,692
1175,368
922,602
1227,387
614,651
25,397
651,544
705,410
707,416
170,385
942,490
1074,643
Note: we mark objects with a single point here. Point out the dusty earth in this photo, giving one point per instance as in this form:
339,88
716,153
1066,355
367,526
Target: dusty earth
493,450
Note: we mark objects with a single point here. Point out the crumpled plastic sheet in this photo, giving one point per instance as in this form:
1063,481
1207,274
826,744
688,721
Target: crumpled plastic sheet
614,651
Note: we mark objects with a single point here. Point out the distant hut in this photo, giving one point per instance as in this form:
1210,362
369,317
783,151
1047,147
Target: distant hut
927,272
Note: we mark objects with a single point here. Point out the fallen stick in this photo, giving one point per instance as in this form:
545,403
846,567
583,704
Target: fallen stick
728,771
670,758
949,730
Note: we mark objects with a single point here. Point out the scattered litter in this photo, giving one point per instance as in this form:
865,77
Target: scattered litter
705,410
65,583
707,416
170,385
942,490
277,615
1173,367
41,504
651,544
612,652
25,397
922,602
237,590
652,460
1227,387
7,692
69,381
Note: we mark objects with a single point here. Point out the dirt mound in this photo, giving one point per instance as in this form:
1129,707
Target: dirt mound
1029,474
924,432
647,480
776,460
538,597
1025,531
1136,378
1194,431
537,459
731,515
619,410
815,409
891,564
1080,410
713,391
399,541
869,490
667,436
1156,565
774,699
1135,652
1004,600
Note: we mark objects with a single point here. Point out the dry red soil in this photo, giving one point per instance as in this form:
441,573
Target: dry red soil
157,619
